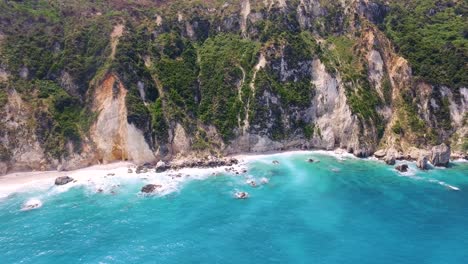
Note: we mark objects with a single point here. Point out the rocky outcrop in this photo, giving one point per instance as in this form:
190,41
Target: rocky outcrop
63,180
421,163
150,188
440,155
206,162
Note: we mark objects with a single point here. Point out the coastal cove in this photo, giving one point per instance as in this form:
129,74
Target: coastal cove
335,209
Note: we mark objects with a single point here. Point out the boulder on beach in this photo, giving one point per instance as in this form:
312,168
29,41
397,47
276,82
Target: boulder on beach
130,170
139,169
150,188
440,155
402,168
380,153
63,180
161,166
421,163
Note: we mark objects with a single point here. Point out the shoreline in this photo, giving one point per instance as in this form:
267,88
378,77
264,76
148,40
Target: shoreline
15,182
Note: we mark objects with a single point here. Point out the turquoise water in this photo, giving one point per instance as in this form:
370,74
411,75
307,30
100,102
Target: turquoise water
335,211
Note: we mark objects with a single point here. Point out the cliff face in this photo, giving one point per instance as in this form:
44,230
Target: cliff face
145,81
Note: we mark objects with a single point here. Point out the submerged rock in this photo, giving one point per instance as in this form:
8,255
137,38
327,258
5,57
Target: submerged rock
275,162
63,180
440,155
422,163
310,160
150,188
402,168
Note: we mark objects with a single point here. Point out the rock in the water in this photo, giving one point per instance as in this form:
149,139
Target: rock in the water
150,188
63,180
310,160
402,168
130,171
161,166
252,183
440,155
422,163
275,162
390,160
31,204
380,153
242,195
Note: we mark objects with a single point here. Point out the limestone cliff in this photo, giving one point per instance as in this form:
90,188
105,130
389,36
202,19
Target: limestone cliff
145,81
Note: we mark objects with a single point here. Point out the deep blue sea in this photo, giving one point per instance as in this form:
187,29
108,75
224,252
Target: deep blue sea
333,211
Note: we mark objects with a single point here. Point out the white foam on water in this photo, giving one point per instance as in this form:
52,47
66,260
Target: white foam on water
31,204
411,173
108,178
455,188
264,180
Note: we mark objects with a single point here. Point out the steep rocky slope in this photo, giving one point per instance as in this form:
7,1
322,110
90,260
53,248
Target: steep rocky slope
85,82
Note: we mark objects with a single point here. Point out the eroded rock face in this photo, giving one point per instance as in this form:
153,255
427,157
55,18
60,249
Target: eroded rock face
63,180
115,138
330,103
3,168
440,155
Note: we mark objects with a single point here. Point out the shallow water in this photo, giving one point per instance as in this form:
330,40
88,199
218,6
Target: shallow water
333,211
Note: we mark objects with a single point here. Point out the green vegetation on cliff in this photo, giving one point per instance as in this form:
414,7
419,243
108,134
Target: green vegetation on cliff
432,35
223,61
191,63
